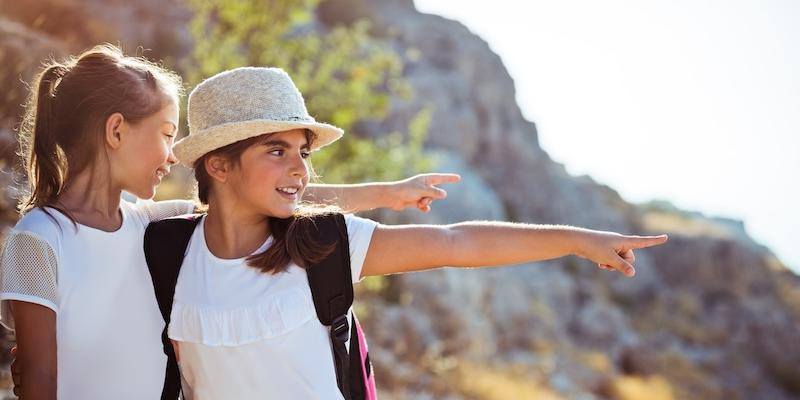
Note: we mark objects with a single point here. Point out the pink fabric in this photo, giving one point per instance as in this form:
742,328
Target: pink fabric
369,380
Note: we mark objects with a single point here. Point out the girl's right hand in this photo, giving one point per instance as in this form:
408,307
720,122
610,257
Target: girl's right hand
613,251
15,371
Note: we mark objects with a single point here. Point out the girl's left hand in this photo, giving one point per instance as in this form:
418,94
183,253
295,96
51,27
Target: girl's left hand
614,252
419,191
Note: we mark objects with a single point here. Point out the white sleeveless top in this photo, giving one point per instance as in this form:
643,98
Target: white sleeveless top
107,320
244,334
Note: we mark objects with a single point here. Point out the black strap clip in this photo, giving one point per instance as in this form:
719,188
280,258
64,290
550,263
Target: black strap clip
340,328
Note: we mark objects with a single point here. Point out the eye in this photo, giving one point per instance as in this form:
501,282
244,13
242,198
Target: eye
305,154
277,152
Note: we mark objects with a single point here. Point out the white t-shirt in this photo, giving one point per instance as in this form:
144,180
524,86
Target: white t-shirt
107,319
244,334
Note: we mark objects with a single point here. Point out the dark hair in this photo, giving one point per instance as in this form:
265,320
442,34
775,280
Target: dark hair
70,101
292,237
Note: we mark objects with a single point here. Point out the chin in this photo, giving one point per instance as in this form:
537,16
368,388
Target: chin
282,213
144,194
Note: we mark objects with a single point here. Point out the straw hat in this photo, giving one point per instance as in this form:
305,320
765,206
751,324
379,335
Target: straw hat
242,103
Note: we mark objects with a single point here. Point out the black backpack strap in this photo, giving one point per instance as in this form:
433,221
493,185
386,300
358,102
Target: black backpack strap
357,384
165,244
332,289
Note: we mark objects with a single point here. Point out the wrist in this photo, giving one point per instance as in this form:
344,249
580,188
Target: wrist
386,194
578,242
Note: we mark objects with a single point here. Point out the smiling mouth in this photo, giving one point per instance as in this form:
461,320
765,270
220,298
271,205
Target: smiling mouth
287,190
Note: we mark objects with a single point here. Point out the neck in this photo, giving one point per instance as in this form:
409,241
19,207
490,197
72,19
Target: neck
231,231
92,200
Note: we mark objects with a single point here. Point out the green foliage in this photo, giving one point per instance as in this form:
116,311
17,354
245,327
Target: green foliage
345,77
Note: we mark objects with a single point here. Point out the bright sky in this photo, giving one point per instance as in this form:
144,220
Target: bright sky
692,101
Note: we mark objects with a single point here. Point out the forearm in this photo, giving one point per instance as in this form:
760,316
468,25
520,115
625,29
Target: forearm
36,350
474,244
350,198
38,384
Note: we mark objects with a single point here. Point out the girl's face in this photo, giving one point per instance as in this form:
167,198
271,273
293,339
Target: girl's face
272,174
147,155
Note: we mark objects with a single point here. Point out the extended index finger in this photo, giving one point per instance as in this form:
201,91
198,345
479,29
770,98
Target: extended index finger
438,179
640,242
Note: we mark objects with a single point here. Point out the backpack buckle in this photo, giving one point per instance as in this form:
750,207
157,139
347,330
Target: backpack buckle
340,328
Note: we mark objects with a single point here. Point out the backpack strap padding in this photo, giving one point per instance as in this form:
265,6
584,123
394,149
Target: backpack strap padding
165,244
331,280
332,289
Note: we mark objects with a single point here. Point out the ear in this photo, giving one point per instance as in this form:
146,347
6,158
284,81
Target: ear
114,130
217,167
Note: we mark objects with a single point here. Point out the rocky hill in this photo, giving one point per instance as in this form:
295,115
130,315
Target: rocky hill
710,315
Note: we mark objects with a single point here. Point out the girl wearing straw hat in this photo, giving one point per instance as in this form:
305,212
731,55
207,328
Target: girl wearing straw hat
73,278
243,322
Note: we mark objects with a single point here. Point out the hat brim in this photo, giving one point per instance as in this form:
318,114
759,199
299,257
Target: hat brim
194,146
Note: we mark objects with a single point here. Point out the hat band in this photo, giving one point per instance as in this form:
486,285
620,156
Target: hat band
306,119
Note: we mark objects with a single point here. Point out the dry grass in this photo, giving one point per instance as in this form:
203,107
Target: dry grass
654,387
596,361
484,383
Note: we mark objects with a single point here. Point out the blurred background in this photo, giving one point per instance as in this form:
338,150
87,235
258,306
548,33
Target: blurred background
639,117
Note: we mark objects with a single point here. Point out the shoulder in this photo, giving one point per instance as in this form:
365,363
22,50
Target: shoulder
356,227
359,226
40,226
173,225
350,220
164,233
148,210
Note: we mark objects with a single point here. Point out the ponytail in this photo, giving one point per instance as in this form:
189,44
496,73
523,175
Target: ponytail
45,163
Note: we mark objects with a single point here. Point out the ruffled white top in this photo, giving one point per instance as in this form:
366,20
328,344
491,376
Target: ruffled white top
244,334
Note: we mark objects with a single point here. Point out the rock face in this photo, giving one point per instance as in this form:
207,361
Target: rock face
709,301
710,315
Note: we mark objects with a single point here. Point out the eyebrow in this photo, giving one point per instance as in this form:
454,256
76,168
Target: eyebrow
283,143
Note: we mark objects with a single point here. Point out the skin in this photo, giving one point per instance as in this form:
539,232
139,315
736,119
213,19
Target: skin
418,191
135,158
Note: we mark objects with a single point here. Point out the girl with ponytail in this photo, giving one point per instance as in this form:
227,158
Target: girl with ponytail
73,278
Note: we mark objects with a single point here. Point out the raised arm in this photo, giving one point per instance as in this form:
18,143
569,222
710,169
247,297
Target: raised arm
36,350
406,248
418,191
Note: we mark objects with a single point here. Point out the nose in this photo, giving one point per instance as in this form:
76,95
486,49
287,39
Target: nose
171,159
299,168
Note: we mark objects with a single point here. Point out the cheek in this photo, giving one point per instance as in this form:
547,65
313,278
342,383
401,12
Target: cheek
260,179
151,151
160,151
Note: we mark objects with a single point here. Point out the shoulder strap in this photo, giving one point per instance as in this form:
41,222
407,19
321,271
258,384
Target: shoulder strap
332,289
165,244
331,280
